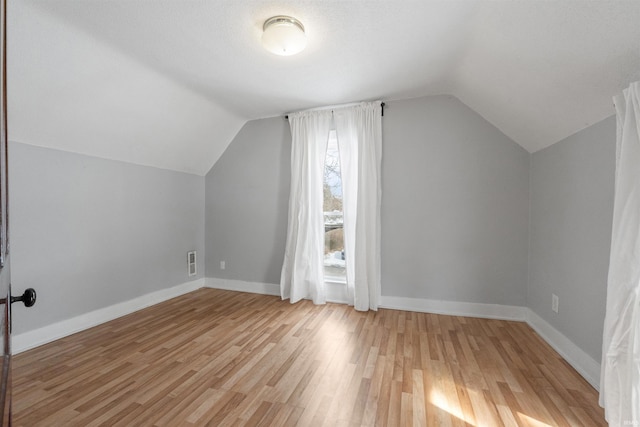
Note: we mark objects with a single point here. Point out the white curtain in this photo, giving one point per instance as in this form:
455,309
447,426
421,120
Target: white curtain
303,269
620,374
359,133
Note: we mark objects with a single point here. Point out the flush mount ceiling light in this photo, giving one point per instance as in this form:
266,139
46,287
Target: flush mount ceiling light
283,35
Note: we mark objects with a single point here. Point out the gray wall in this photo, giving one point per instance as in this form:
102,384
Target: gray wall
571,214
247,198
467,215
455,205
87,233
454,210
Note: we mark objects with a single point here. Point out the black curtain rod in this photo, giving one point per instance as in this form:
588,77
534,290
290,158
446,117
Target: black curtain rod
381,105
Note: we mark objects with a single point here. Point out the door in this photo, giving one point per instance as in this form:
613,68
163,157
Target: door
29,296
5,273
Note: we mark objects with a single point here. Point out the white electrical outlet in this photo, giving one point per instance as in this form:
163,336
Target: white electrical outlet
223,264
555,302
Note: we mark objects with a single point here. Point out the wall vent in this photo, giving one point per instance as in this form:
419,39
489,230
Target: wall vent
191,263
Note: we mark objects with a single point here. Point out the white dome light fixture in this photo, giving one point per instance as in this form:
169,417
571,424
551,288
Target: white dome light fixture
283,35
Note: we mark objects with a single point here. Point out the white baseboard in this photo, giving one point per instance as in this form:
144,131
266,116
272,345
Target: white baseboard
242,286
454,308
46,334
574,355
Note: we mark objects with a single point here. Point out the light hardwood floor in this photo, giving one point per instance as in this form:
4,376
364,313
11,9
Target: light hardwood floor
219,358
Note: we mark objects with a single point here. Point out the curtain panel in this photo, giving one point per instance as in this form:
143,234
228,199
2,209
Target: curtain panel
303,270
620,372
359,133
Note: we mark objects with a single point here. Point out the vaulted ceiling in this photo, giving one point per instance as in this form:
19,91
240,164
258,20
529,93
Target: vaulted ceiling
168,83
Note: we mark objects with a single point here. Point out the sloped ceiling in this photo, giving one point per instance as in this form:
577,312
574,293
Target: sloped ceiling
168,83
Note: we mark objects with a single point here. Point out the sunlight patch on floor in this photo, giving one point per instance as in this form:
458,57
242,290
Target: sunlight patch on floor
439,400
532,421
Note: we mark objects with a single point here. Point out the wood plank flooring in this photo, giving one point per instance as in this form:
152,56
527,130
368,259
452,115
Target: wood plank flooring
218,358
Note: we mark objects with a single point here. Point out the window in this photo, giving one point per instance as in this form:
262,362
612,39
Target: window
334,258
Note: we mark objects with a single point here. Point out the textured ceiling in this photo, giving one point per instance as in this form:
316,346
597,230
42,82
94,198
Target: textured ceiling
168,83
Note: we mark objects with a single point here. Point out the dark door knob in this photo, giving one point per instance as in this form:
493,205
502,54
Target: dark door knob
28,298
